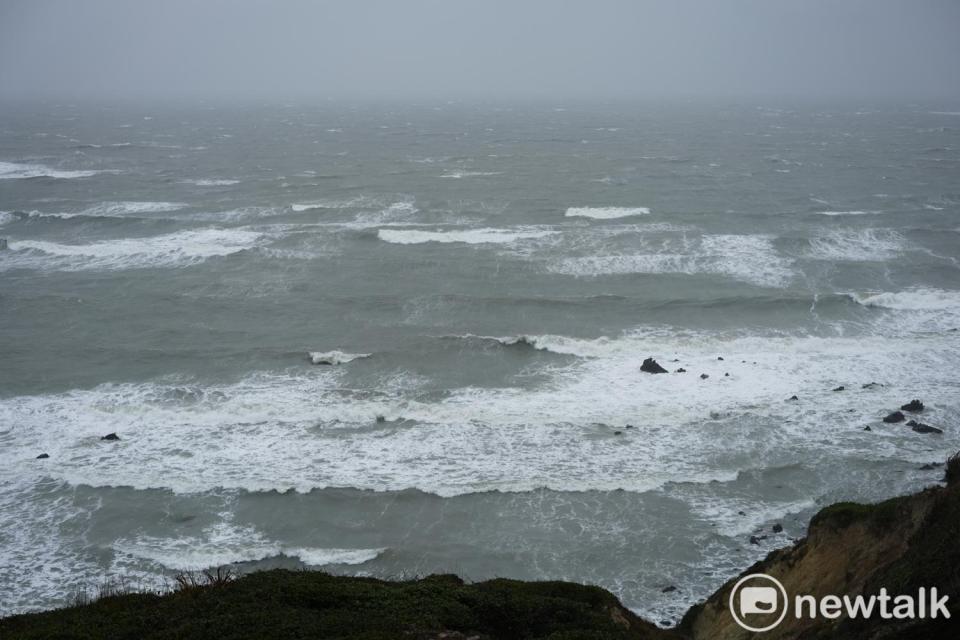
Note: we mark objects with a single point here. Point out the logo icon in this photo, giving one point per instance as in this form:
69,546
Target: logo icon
755,599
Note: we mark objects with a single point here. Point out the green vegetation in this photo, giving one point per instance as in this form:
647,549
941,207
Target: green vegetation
308,604
843,514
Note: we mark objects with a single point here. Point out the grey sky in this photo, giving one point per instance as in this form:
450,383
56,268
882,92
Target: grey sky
396,49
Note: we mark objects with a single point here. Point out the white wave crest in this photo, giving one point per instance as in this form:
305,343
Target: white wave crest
271,431
467,236
13,171
170,250
469,174
606,213
225,544
334,357
213,182
911,300
848,213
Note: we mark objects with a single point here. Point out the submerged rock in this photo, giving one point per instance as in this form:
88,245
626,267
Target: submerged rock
110,436
669,589
652,366
777,528
43,456
896,416
680,370
704,376
840,388
792,398
914,406
871,385
919,427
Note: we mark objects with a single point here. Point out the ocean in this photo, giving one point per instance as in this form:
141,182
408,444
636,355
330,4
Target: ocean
485,281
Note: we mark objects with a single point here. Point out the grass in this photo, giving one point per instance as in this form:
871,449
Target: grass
843,514
309,604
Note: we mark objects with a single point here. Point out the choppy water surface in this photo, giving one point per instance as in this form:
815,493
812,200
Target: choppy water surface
487,281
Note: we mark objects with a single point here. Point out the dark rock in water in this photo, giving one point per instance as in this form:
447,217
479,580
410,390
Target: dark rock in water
669,589
931,466
867,428
840,388
741,513
757,539
919,427
719,357
896,416
110,436
778,528
651,366
618,433
629,426
381,418
43,456
914,406
793,398
680,370
726,375
704,376
871,385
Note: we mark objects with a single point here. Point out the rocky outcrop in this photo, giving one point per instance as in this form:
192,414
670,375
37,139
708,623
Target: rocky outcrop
652,366
920,427
900,544
914,406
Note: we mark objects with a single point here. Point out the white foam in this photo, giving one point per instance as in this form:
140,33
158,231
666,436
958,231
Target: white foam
171,250
848,213
750,258
911,300
469,174
304,429
307,207
359,202
6,217
119,209
334,357
857,245
606,213
14,170
467,236
225,544
213,182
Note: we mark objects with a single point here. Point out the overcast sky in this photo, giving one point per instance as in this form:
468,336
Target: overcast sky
451,49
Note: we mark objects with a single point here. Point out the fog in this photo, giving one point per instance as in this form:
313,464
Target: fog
490,49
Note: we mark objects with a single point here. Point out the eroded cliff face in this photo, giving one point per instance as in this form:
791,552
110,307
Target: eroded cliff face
901,545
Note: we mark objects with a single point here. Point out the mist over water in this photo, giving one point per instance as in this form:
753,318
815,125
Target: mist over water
486,281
